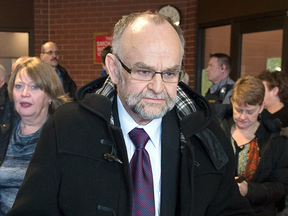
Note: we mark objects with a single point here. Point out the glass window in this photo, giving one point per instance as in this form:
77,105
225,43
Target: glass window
261,51
12,46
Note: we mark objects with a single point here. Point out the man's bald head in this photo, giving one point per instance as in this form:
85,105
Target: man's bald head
155,18
50,53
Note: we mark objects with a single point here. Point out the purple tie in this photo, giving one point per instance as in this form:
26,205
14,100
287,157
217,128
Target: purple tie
141,176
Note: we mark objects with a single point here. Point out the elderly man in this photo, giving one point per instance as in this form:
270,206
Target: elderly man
136,143
218,71
50,54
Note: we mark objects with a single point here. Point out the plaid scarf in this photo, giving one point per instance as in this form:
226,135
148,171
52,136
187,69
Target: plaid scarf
184,105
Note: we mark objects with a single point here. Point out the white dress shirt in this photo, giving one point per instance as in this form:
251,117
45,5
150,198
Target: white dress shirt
153,147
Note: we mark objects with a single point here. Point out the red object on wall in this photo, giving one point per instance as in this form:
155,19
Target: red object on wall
100,42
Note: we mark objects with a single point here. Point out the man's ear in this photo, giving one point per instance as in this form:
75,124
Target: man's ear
223,67
275,91
41,56
111,64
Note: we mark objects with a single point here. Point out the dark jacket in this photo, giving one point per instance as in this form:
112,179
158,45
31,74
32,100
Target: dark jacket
270,181
3,94
69,175
69,85
218,96
6,121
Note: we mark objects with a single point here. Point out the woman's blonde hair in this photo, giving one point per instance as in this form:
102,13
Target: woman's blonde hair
248,90
45,78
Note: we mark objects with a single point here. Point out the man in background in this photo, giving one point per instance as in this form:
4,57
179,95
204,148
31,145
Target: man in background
218,70
50,54
276,94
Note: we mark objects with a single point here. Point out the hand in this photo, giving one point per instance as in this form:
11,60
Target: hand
243,188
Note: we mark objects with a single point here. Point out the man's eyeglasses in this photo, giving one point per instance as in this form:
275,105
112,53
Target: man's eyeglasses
148,74
51,52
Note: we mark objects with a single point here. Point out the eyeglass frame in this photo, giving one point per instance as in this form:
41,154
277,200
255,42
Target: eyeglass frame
181,74
51,52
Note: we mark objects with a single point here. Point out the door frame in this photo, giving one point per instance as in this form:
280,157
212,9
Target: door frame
30,32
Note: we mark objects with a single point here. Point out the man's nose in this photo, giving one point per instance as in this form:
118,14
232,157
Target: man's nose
156,84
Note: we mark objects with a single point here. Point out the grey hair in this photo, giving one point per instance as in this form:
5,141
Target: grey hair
155,18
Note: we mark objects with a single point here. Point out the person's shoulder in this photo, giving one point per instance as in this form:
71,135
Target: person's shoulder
67,110
62,70
230,81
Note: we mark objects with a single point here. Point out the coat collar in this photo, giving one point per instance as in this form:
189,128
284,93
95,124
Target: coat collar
193,113
93,102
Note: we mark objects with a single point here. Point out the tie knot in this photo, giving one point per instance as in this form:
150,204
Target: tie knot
139,137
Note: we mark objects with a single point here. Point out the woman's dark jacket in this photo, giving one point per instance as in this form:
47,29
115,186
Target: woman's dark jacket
270,181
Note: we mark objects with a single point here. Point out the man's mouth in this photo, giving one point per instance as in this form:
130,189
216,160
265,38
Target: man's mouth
154,100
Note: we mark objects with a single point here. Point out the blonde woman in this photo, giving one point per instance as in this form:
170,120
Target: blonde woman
36,91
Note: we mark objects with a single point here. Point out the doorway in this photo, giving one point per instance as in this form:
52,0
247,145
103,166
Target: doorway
12,46
256,44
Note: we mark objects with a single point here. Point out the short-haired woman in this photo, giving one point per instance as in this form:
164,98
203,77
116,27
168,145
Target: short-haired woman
261,152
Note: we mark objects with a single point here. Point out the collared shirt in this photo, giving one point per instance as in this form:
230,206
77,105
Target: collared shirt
223,82
153,147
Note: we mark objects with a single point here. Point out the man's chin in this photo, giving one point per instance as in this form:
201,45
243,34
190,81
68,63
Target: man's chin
152,111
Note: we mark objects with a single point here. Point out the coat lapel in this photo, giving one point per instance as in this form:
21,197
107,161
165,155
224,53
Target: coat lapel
170,163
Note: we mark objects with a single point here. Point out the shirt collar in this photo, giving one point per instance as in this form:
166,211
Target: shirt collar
153,128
